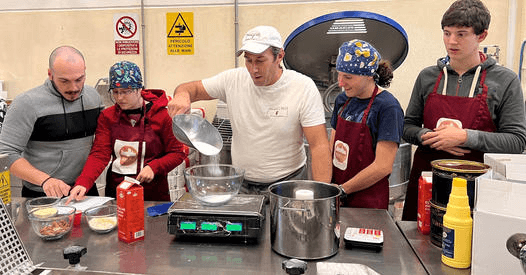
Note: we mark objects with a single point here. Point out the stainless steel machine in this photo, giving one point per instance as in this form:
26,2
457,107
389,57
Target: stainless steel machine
103,88
312,48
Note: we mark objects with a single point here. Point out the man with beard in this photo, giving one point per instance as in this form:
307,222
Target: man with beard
48,130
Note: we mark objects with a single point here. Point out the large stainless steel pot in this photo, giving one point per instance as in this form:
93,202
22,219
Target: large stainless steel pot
304,228
399,177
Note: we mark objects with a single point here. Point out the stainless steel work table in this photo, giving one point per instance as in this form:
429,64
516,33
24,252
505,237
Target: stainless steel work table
428,253
161,253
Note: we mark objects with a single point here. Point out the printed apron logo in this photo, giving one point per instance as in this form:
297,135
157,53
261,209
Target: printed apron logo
341,155
127,155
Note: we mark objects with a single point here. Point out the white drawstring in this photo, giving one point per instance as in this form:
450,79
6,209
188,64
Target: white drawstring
445,81
473,83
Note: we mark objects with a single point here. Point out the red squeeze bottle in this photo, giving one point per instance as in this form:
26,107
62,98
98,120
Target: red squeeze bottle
424,199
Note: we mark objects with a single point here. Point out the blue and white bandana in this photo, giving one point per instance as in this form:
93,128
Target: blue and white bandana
358,57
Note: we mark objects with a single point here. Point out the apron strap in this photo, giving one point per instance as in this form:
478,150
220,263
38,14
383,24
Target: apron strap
344,105
435,88
484,86
366,112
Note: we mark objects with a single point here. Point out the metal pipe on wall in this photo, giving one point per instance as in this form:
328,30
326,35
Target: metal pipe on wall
512,21
143,27
236,30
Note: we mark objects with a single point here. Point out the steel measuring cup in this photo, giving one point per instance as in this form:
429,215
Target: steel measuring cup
197,133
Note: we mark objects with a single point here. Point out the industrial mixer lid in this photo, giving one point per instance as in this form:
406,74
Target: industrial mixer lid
313,46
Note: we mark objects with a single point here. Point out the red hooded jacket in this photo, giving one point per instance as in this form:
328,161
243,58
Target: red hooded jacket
132,142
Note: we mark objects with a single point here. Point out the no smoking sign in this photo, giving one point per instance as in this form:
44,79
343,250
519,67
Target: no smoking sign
125,29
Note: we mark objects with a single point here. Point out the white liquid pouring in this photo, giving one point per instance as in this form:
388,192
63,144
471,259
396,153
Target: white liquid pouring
205,148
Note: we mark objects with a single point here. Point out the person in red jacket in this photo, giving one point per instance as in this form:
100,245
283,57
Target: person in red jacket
136,135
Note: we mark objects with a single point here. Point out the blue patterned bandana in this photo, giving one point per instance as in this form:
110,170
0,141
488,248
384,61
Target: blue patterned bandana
125,74
358,57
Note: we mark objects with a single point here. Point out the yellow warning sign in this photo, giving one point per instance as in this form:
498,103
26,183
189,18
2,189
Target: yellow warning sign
179,33
5,187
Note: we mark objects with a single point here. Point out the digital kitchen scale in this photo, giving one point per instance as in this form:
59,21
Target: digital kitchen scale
240,219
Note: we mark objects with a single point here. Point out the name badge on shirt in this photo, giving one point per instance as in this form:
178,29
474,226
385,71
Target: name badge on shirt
278,112
341,155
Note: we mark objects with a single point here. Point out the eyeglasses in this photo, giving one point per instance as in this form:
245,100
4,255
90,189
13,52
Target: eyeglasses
122,92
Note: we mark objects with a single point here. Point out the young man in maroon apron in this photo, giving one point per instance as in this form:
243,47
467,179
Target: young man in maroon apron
468,105
367,126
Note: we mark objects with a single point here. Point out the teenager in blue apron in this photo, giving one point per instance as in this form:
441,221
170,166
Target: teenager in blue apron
367,126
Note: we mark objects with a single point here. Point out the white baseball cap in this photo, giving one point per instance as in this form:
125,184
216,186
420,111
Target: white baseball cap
258,39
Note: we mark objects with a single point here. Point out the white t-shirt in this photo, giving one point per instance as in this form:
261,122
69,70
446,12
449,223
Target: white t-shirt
267,121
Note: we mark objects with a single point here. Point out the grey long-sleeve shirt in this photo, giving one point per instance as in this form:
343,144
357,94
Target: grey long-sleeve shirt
505,102
51,133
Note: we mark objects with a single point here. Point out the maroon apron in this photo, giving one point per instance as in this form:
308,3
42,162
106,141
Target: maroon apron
129,137
353,151
474,114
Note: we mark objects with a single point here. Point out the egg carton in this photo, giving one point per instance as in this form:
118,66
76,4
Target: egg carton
14,258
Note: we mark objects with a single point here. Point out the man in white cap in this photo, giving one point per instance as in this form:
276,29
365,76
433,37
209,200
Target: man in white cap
270,110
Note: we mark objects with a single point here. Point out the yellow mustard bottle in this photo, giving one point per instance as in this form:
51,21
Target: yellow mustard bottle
458,227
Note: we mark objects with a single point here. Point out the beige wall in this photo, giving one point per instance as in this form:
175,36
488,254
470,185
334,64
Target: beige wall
521,35
27,38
